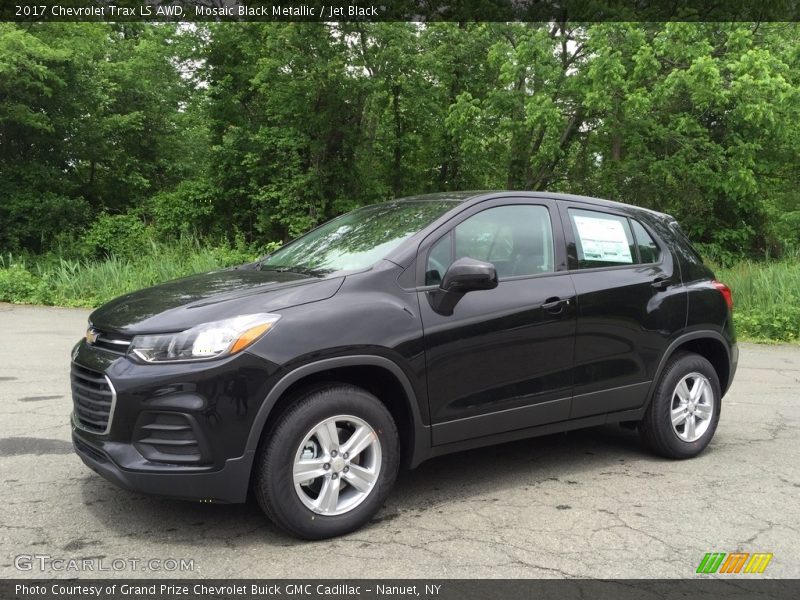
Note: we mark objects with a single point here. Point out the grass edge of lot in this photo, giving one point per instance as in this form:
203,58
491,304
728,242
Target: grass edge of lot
766,293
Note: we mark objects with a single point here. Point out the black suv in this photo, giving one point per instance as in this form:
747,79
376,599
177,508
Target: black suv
399,332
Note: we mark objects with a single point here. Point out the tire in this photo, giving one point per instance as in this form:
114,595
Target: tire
692,432
301,444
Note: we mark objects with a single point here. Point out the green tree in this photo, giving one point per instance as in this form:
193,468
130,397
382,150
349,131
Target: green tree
91,120
258,131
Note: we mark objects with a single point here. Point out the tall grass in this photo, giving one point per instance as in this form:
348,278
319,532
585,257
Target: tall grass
766,298
62,282
766,294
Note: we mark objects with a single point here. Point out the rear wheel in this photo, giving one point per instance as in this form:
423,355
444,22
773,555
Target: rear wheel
328,463
684,412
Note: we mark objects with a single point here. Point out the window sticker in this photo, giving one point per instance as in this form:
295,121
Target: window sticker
603,240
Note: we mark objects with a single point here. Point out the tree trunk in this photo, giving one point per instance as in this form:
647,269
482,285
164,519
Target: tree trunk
397,166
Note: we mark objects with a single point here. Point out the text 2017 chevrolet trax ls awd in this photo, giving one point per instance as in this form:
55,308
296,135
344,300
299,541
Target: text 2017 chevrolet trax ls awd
399,332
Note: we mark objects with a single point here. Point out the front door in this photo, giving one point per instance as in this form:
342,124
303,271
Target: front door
503,360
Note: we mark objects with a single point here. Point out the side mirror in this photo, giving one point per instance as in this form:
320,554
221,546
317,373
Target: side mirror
464,275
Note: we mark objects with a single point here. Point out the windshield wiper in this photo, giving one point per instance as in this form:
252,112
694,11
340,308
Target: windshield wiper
294,269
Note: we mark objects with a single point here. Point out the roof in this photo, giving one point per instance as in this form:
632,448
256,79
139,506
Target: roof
466,195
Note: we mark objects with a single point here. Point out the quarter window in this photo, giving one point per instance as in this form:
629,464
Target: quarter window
649,252
602,240
516,239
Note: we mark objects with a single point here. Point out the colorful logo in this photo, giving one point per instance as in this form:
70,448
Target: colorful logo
736,562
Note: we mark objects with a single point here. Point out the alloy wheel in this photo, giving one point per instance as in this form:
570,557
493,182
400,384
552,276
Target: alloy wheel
337,465
692,407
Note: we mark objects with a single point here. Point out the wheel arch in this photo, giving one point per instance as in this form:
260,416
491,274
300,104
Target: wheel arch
377,374
707,343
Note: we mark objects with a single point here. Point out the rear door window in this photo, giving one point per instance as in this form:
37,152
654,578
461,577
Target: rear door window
601,239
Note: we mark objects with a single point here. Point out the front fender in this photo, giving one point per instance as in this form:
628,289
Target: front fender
420,446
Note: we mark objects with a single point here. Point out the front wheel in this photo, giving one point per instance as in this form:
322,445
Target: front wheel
328,463
684,412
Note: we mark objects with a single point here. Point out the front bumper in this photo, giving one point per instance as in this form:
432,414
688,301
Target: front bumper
226,485
176,430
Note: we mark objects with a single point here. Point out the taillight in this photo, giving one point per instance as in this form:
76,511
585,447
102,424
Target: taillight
726,293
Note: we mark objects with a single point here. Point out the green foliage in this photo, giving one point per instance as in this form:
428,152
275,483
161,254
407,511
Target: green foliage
188,209
118,141
91,121
33,220
267,129
17,284
766,326
116,235
58,281
766,298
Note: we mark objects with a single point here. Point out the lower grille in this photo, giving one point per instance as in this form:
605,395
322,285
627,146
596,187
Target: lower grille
92,452
93,399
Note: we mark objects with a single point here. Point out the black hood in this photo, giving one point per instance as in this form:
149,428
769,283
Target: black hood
183,303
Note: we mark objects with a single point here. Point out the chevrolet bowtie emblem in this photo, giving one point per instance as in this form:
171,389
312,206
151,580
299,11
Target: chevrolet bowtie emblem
91,336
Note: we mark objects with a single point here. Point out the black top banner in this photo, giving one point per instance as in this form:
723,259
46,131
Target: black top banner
399,10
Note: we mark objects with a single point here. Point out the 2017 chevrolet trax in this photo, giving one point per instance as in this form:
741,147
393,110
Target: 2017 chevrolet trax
396,333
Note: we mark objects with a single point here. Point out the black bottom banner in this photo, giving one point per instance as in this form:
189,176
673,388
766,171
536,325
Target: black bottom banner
401,589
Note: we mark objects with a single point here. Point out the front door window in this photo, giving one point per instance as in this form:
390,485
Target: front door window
516,239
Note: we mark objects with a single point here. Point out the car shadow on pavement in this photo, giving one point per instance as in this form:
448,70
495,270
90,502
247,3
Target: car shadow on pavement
562,456
436,483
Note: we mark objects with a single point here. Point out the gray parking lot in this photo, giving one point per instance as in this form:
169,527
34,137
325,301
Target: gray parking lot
590,503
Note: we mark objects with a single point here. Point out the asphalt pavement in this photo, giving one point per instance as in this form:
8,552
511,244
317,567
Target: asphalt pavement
590,503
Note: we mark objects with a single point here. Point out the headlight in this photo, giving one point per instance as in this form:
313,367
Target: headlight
209,340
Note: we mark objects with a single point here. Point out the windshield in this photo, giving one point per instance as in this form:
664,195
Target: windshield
358,239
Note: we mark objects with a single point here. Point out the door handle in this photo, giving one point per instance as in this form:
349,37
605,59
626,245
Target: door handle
554,305
660,283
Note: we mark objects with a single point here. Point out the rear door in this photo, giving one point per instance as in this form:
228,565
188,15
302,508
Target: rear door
503,360
630,301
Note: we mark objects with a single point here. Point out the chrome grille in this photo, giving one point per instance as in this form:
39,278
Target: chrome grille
113,342
93,399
